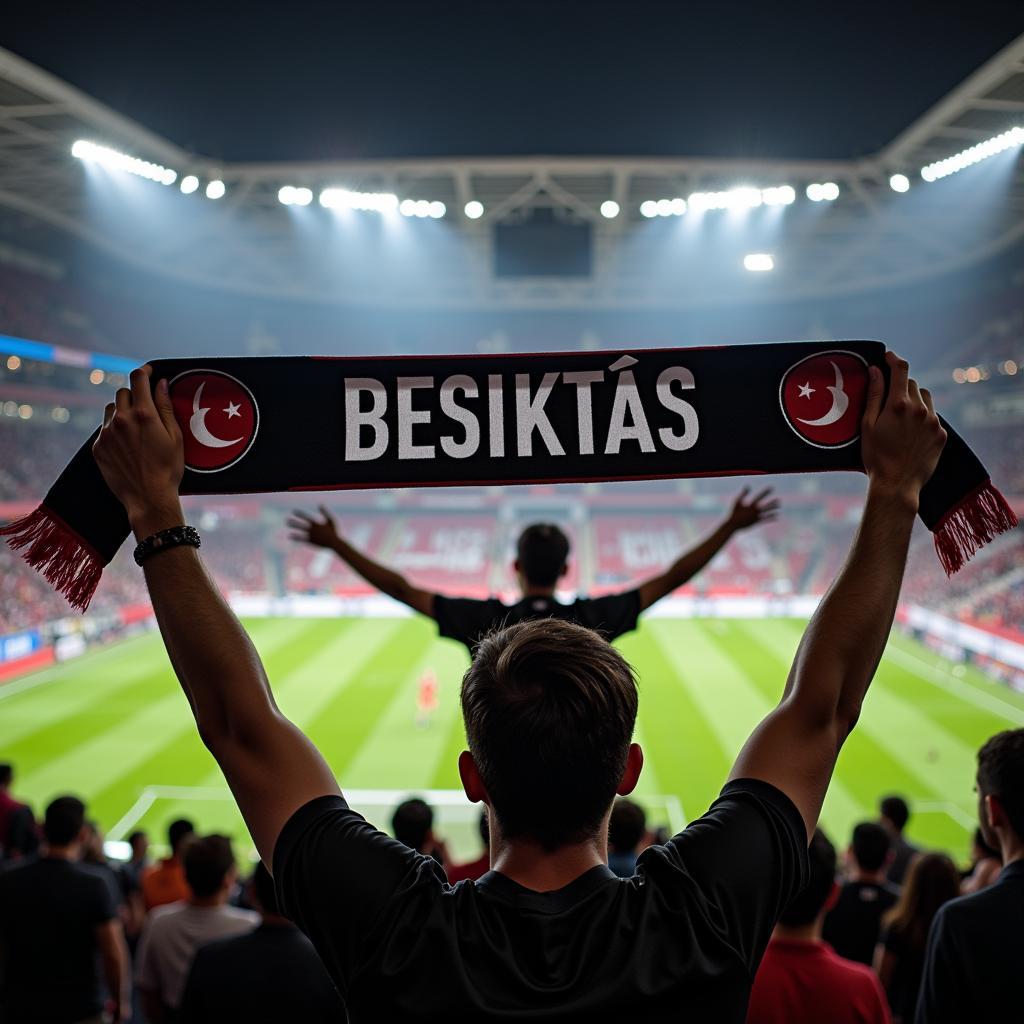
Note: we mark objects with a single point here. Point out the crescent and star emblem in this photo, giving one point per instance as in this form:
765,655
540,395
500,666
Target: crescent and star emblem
197,424
840,402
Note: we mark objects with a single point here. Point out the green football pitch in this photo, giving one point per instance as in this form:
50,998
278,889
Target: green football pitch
114,728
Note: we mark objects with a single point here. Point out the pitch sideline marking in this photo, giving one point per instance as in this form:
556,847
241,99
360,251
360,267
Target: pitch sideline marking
979,698
950,809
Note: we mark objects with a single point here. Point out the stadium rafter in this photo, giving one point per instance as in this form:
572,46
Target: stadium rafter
247,242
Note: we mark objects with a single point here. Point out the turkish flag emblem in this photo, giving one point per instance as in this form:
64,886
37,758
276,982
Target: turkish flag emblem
218,418
823,396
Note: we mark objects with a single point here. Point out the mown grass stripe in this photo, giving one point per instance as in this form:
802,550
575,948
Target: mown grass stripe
734,702
124,731
870,756
692,763
183,760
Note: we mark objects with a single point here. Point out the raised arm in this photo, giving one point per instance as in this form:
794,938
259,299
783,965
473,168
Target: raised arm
796,746
743,514
269,764
323,533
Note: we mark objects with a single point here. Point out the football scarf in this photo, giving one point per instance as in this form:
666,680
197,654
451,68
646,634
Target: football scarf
311,423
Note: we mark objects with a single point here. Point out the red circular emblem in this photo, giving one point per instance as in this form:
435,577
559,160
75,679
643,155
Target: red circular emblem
822,397
218,418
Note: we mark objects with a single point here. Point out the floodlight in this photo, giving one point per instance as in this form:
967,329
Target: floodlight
759,261
286,195
973,155
744,198
344,199
215,189
899,183
474,209
189,184
437,209
83,149
609,209
781,195
303,196
649,208
678,206
823,191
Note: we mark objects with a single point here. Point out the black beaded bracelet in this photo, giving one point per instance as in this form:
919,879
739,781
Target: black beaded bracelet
172,538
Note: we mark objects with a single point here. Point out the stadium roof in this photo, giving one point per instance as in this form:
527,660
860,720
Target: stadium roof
247,241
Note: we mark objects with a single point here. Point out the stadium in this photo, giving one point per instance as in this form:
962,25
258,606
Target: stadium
121,244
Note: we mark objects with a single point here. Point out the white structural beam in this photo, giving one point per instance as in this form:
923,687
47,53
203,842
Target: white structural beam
248,242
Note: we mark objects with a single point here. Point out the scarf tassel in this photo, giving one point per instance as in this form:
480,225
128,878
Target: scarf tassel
971,524
66,561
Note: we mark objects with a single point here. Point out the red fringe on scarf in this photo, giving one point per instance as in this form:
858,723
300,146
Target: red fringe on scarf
68,562
974,521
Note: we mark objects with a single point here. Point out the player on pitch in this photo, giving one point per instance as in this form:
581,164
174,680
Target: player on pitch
542,554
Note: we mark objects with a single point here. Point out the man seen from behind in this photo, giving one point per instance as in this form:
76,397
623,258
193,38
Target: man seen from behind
549,707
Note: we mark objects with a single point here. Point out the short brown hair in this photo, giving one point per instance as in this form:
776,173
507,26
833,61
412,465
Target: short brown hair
549,708
207,862
1001,773
542,550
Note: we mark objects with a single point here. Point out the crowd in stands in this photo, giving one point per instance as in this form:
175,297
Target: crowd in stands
185,938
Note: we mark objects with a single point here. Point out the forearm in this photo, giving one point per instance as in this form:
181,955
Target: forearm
211,653
115,970
847,634
686,566
689,564
384,579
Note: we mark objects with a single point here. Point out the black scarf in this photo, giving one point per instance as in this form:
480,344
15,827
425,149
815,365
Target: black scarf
316,423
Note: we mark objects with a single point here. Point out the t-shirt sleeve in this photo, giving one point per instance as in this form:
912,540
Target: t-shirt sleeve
611,615
466,619
103,898
748,858
345,883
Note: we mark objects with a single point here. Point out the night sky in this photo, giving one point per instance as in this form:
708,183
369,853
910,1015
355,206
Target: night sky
296,81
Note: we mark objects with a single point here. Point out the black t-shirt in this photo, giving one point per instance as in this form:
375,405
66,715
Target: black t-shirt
49,912
853,925
684,935
268,975
465,619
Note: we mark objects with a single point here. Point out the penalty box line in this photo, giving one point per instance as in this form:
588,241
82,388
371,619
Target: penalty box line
356,797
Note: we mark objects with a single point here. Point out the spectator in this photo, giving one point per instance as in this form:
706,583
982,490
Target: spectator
130,878
985,866
165,882
475,868
173,933
853,924
542,553
94,858
413,826
549,709
271,974
893,817
801,980
973,962
58,929
18,834
137,863
899,956
626,830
